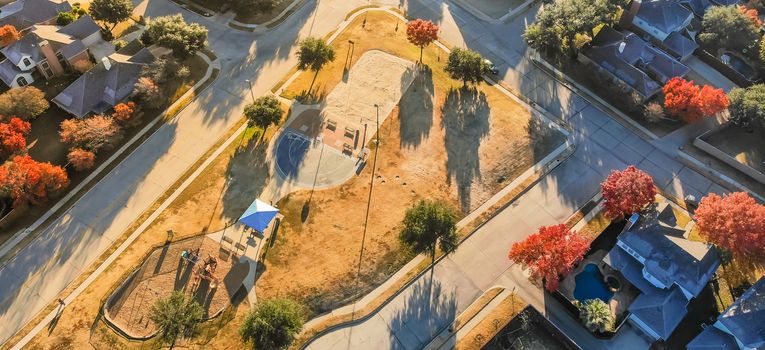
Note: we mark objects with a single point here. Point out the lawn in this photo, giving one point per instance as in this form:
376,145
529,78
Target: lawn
746,146
45,144
261,18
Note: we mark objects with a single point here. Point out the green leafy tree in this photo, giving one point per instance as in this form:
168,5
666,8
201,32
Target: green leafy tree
747,106
556,28
264,112
174,33
175,315
272,324
24,102
466,65
430,224
727,27
111,11
596,315
313,54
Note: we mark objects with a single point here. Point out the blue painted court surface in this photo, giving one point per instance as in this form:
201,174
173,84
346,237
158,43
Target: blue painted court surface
291,149
590,285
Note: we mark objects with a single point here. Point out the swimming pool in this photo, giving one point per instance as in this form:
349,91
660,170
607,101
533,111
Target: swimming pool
590,285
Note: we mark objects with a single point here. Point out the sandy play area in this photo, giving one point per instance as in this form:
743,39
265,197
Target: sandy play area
320,148
165,271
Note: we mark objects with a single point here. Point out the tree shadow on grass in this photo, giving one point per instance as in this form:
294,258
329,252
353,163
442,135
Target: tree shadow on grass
247,175
542,137
465,122
415,112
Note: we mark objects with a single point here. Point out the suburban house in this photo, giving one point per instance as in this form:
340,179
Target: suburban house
668,269
50,51
23,14
104,85
635,63
665,23
700,6
740,326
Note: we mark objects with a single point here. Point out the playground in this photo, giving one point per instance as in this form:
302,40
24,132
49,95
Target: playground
197,266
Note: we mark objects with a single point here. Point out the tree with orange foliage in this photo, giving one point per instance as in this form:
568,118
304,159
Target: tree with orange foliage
735,222
691,103
123,112
550,254
421,33
29,182
8,35
12,136
92,133
752,15
627,192
81,159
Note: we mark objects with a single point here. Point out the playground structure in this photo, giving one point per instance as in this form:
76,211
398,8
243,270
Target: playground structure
212,281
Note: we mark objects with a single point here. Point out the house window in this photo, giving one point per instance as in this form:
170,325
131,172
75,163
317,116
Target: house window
27,62
62,60
46,69
21,81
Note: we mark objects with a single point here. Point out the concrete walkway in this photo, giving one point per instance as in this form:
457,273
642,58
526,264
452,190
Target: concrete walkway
69,245
430,304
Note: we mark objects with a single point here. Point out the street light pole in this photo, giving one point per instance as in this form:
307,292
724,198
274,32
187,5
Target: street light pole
369,199
252,94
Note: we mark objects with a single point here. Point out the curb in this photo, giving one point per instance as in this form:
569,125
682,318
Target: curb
6,253
47,319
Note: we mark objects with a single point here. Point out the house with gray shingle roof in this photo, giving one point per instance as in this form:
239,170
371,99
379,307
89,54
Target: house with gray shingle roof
740,326
24,14
49,50
104,85
666,23
668,269
637,64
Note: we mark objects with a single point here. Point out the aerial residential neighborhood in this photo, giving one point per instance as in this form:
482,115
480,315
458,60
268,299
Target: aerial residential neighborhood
382,174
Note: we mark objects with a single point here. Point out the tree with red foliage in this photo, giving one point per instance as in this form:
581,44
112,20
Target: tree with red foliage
8,35
421,33
81,159
550,254
691,103
627,192
29,182
12,136
124,112
735,222
752,15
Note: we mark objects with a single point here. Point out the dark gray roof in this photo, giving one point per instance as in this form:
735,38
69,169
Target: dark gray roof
667,15
699,7
633,60
82,28
670,258
28,45
661,310
23,14
712,338
679,45
745,319
726,2
8,72
100,88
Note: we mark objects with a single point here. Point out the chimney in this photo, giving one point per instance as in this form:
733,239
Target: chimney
106,62
629,15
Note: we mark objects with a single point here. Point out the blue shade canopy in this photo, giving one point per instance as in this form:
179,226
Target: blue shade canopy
258,215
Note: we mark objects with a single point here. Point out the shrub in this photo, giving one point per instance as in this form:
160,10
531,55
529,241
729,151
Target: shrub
81,159
654,112
147,91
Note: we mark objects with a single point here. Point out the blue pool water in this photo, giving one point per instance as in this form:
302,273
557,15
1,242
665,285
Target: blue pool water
590,285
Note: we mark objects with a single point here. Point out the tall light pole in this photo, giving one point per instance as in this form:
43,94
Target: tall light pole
252,94
369,198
